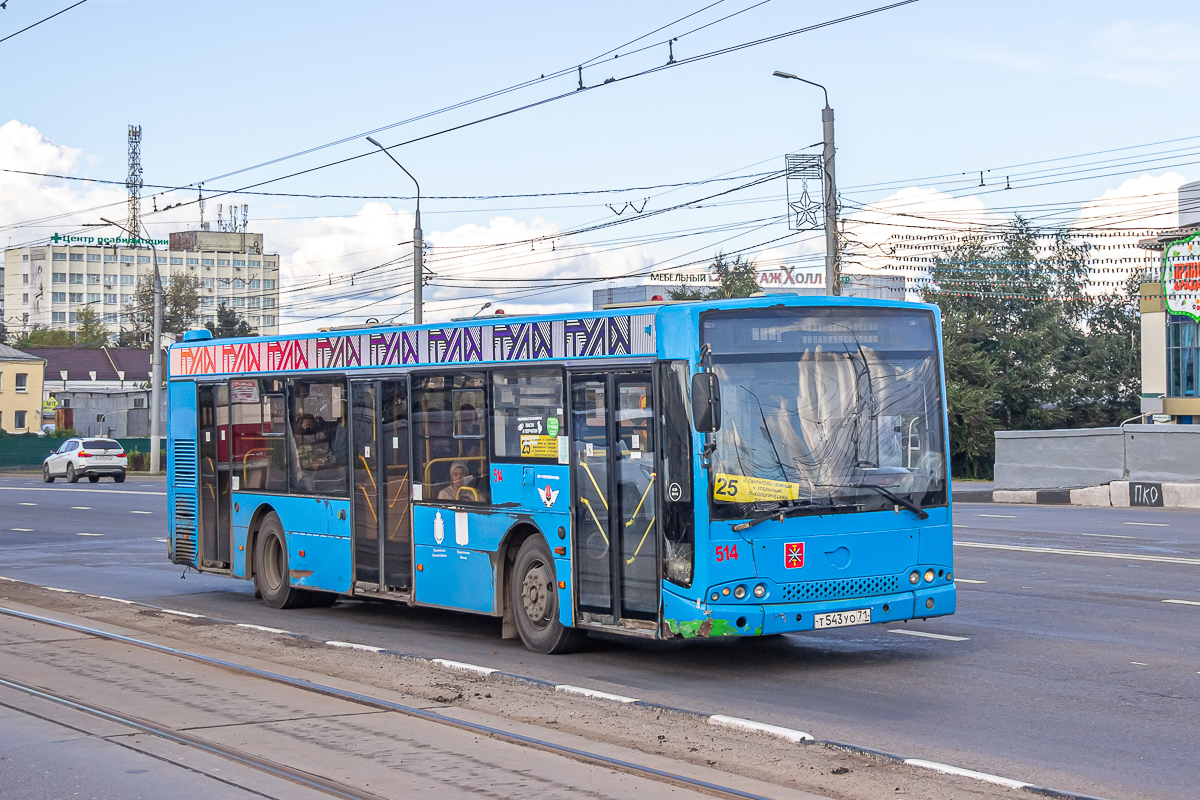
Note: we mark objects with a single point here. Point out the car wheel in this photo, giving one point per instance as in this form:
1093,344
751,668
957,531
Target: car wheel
533,593
119,478
271,573
93,478
71,476
46,476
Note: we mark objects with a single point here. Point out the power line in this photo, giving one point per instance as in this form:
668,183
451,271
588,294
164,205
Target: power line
40,21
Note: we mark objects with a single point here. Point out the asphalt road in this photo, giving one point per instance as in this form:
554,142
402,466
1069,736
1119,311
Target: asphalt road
1064,666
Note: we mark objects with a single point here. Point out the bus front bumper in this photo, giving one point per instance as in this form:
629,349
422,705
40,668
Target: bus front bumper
744,619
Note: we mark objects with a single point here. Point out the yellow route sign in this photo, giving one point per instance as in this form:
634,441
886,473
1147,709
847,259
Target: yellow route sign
744,489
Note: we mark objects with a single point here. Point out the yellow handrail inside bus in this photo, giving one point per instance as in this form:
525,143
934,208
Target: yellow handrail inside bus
633,516
367,467
583,464
596,519
643,541
369,504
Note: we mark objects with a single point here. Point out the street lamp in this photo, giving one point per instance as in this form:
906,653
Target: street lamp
418,245
155,351
832,287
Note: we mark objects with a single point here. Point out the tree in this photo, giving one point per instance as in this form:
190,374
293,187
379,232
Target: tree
180,309
91,331
1025,347
3,333
736,278
229,324
39,336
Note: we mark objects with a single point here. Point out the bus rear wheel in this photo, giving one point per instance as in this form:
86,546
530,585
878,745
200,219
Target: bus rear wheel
271,573
533,593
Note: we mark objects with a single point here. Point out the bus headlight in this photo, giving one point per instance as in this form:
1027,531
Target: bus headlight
740,593
760,591
914,577
929,576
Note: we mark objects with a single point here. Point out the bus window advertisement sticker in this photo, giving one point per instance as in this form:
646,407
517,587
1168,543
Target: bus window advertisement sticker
552,426
539,447
745,489
793,555
243,391
529,426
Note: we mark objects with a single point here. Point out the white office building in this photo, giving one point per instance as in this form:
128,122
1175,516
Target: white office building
47,285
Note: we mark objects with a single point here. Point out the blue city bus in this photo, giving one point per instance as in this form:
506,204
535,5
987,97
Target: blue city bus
727,468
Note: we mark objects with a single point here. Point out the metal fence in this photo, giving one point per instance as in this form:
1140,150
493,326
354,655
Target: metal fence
28,452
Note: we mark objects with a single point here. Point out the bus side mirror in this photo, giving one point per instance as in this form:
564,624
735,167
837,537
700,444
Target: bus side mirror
706,402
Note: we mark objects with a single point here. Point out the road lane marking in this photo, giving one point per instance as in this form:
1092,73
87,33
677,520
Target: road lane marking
999,516
927,635
960,526
151,512
89,534
1150,524
1192,562
81,508
1184,602
160,540
967,580
1140,663
27,504
22,530
70,489
1108,535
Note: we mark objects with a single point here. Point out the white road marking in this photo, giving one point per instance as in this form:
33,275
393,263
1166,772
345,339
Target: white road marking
961,526
1192,562
788,734
81,508
89,534
263,628
70,489
463,667
356,646
1108,535
160,540
27,504
1150,524
928,635
22,530
1184,602
967,580
141,512
966,773
999,516
582,692
1140,663
180,613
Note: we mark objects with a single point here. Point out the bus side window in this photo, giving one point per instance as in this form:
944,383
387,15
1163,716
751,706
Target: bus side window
318,437
274,434
449,418
527,410
679,532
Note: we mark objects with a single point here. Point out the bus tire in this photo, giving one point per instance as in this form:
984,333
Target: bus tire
533,594
271,572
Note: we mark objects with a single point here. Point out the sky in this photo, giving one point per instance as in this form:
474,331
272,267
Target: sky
926,95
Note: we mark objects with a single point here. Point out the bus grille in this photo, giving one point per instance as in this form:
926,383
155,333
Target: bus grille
841,589
185,463
185,530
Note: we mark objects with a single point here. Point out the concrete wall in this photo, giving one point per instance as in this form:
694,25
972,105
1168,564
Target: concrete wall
1069,459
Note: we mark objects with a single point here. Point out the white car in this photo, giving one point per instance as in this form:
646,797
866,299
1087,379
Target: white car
91,457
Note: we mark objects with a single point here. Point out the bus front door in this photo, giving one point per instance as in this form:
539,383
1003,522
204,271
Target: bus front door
216,531
615,518
382,522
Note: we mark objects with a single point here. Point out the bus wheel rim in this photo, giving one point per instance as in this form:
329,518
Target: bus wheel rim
535,594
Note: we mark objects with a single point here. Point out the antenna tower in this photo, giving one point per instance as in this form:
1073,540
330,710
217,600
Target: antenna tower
134,182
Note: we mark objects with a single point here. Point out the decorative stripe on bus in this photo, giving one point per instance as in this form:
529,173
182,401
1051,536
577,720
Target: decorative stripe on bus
583,337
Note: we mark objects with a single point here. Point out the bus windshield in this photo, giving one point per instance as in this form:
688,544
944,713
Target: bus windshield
826,410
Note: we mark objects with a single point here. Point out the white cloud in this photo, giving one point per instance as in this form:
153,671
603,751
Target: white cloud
1138,203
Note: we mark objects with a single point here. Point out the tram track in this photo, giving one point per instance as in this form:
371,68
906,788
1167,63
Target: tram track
318,782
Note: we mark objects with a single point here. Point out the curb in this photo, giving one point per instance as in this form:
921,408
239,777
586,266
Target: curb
1116,494
718,720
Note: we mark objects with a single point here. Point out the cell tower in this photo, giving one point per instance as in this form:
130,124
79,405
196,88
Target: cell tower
134,182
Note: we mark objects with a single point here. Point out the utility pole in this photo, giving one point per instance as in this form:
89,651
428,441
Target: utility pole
418,244
155,353
832,277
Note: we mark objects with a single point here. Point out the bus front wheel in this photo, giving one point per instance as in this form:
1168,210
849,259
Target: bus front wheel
533,593
271,574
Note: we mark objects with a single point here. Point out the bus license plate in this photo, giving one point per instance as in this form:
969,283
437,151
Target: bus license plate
840,619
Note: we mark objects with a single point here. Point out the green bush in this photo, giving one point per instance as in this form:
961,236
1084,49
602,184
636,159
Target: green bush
64,433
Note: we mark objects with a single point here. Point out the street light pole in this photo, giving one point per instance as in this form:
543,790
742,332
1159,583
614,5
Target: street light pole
418,244
832,278
155,354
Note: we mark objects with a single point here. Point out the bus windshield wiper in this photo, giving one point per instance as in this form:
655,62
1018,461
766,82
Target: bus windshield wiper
895,498
781,514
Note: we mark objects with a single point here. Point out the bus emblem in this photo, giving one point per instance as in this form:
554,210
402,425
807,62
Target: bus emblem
548,496
793,555
439,528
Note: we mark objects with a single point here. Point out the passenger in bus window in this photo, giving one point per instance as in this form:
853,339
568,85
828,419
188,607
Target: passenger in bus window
459,480
468,426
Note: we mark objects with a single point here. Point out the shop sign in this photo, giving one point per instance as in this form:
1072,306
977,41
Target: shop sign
1181,276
